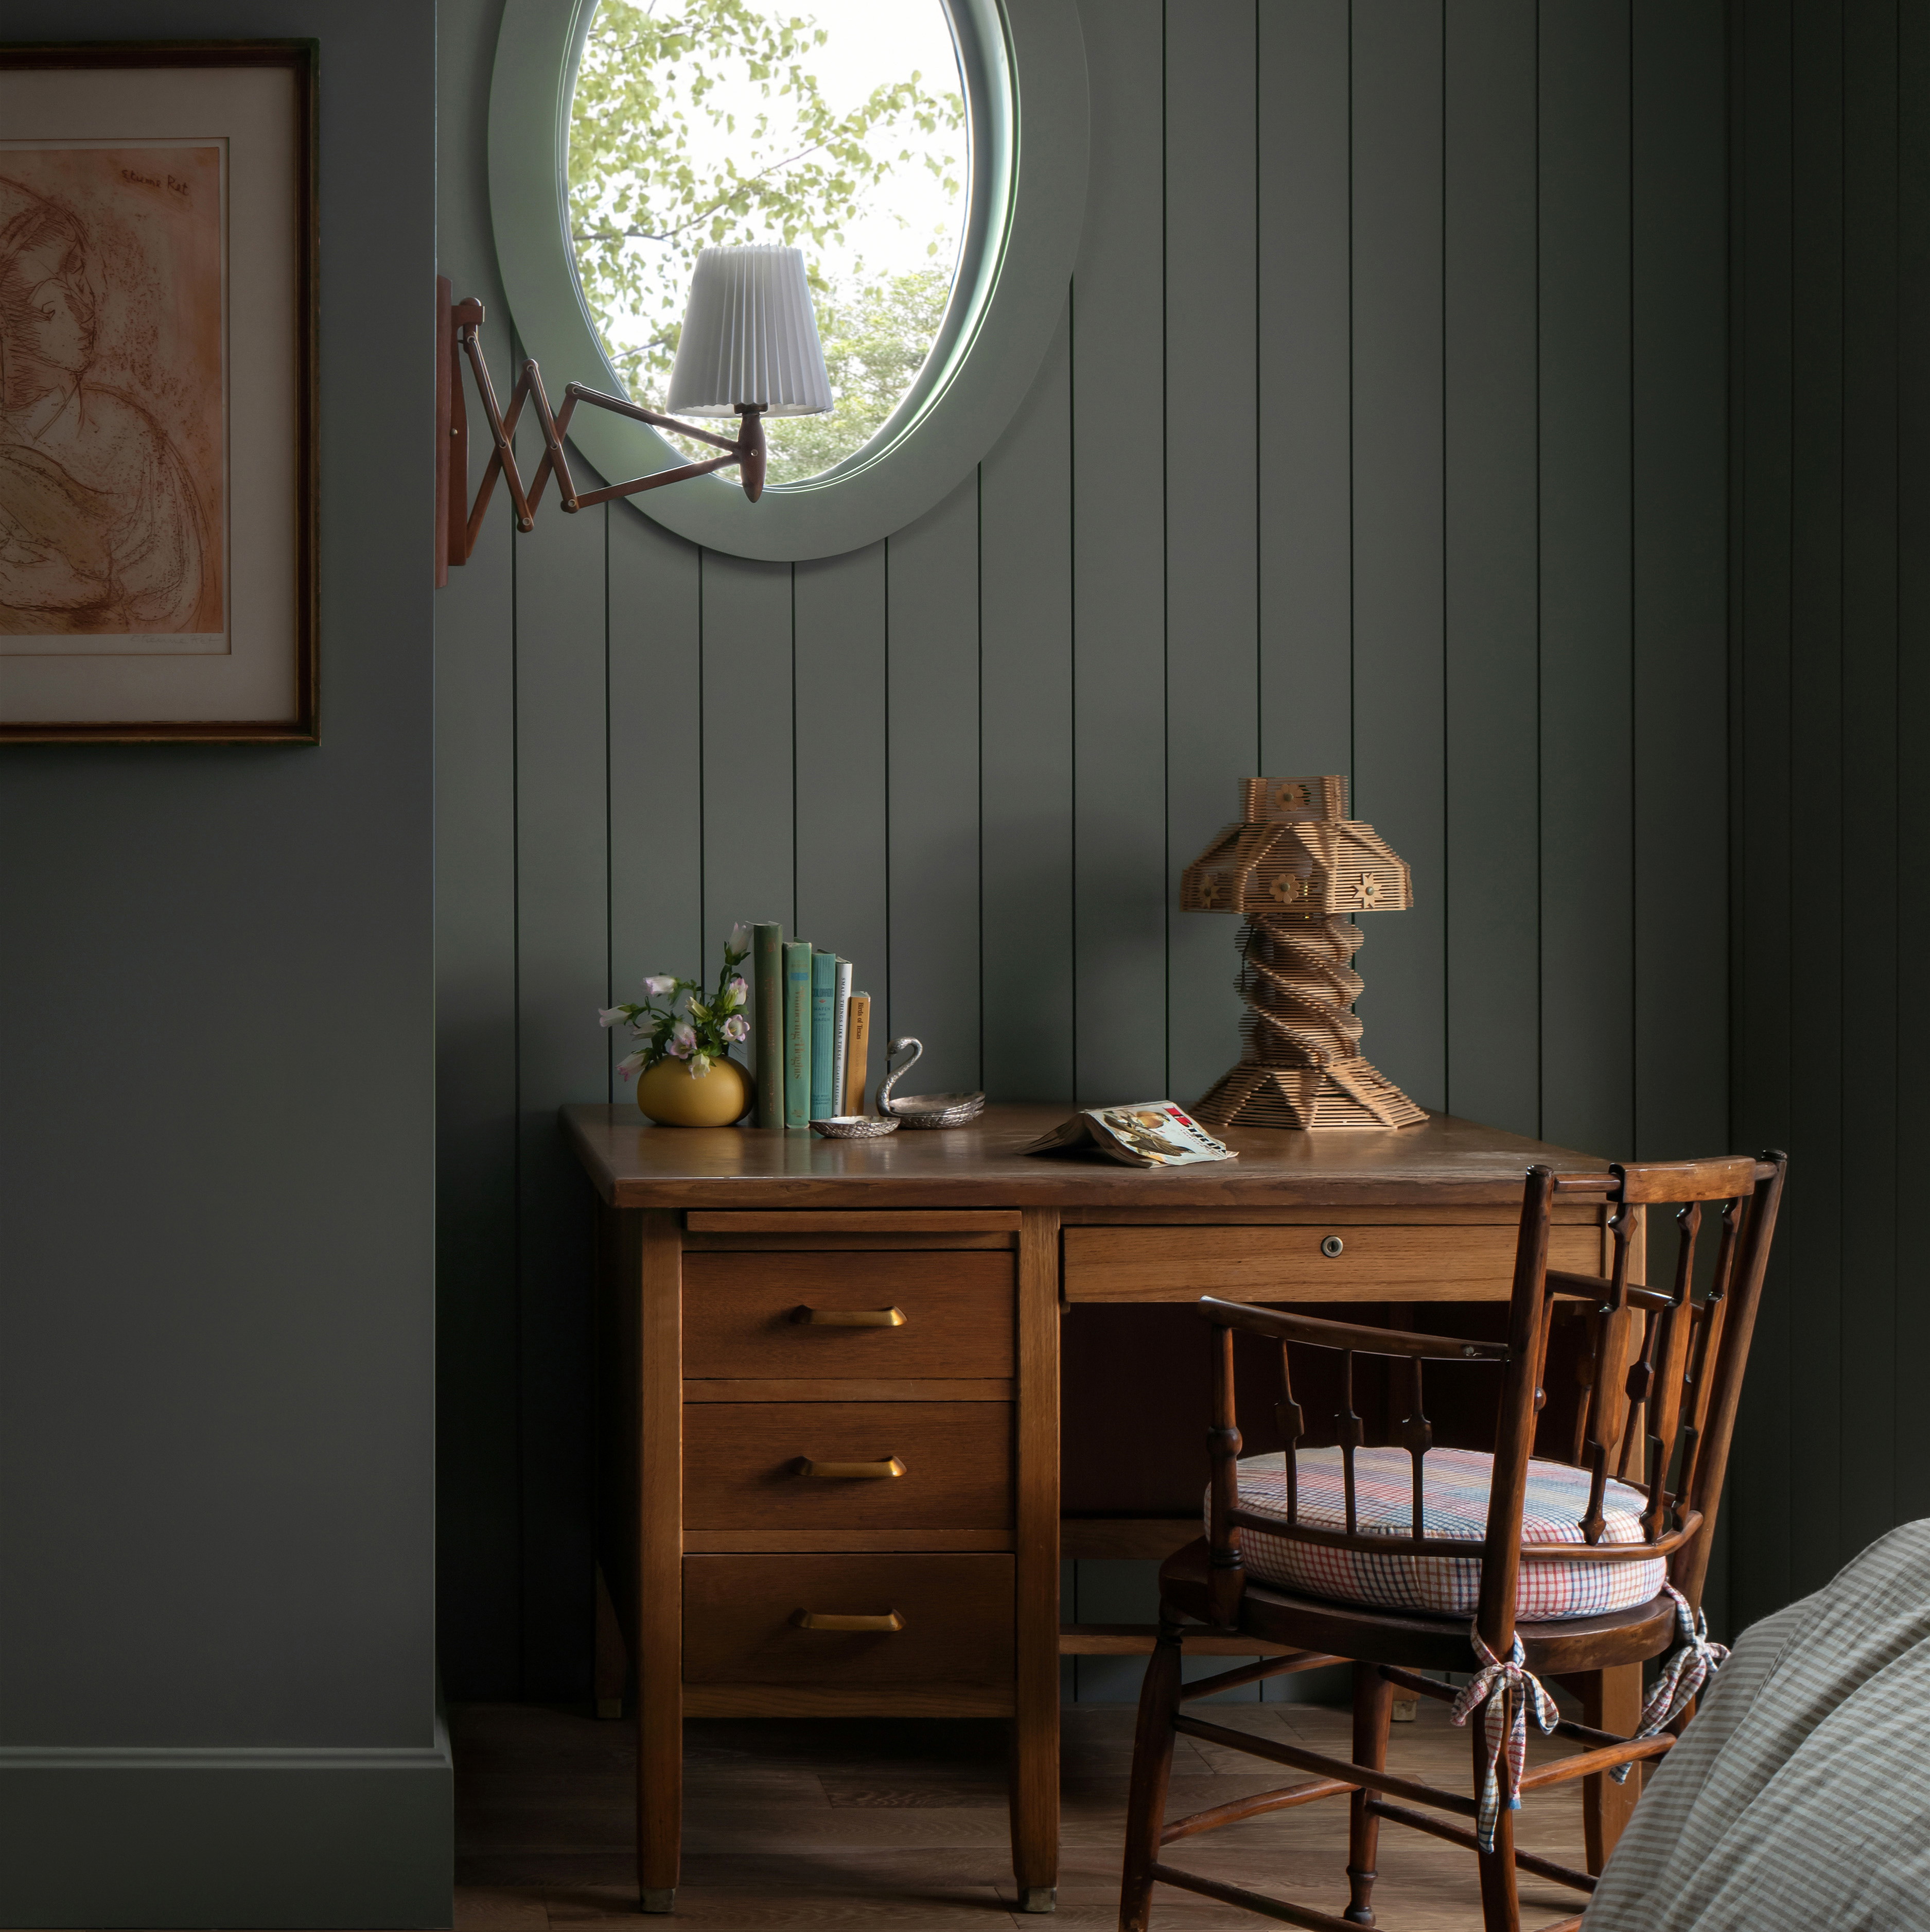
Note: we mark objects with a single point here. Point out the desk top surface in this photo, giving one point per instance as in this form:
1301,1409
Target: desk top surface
1444,1161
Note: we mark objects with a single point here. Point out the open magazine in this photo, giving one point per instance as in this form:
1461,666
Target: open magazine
1145,1133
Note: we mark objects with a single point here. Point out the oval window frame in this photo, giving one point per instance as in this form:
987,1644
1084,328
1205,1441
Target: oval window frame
1025,62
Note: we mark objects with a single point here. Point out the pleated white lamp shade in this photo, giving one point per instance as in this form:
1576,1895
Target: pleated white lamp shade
750,336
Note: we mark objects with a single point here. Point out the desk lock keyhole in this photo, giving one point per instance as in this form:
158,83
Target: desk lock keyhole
1331,1246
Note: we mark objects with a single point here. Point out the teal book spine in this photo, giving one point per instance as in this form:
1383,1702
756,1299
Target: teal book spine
767,1020
823,1032
797,1032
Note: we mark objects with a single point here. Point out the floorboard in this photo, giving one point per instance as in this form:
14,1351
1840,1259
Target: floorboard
797,1826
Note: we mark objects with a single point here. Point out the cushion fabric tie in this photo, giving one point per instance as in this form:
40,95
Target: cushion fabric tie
1690,1665
1504,1720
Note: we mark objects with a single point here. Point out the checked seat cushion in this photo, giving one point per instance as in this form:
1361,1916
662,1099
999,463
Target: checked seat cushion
1454,1505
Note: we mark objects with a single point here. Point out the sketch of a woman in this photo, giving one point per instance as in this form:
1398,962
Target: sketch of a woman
99,529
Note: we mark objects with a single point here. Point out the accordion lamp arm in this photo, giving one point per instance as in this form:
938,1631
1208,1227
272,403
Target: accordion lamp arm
458,520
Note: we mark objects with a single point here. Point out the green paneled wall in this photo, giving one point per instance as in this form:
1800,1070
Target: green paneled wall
1385,433
1830,266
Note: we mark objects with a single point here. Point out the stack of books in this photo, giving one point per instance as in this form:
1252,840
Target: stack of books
813,1033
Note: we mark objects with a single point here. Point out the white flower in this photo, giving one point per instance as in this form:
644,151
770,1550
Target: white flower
629,1065
701,1066
611,1016
736,1027
659,985
737,992
739,943
683,1040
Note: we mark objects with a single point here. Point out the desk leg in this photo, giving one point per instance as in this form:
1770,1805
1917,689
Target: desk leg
1612,1700
1034,1779
659,1665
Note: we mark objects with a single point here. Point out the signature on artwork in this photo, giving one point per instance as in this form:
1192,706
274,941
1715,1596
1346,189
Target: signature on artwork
101,531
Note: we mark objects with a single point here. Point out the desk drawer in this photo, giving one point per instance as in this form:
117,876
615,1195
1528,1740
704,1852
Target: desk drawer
954,1614
743,1465
1378,1263
740,1315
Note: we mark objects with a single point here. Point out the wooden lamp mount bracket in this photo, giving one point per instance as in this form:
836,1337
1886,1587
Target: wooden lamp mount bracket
459,338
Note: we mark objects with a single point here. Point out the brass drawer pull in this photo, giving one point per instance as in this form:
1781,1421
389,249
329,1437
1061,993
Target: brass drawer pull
830,1621
850,1318
849,1472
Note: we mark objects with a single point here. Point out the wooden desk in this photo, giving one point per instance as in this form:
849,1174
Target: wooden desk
715,1400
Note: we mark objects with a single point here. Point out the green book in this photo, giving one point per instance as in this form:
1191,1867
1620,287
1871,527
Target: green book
767,1015
797,1032
823,1033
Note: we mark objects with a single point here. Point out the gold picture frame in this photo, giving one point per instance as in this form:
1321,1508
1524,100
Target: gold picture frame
158,370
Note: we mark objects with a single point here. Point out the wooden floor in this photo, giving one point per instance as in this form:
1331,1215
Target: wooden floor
902,1825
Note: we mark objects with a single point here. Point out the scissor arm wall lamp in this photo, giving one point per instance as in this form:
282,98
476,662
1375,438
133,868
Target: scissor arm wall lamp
749,331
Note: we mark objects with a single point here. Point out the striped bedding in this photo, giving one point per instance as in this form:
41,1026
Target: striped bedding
1799,1798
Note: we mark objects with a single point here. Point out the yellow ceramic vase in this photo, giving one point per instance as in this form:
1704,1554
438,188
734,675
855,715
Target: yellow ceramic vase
671,1096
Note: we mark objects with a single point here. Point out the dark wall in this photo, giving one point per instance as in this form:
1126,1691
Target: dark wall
217,1409
1385,434
1830,647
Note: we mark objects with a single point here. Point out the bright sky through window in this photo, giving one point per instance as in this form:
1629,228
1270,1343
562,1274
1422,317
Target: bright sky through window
841,130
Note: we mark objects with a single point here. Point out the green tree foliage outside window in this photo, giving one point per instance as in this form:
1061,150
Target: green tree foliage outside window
663,161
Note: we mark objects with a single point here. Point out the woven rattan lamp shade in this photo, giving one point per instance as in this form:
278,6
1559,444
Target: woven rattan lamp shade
750,337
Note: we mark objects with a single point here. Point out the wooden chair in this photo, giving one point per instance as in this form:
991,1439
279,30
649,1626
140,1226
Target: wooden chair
1358,1551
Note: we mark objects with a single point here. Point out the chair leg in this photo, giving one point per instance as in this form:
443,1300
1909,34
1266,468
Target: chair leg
1612,1700
1373,1711
1500,1905
1152,1766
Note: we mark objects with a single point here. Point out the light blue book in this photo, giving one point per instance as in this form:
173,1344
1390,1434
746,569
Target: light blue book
823,1033
797,1032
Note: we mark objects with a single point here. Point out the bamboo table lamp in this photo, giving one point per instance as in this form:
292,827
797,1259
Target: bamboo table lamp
1295,868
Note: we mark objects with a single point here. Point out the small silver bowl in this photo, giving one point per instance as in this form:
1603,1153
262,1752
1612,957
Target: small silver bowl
855,1126
938,1110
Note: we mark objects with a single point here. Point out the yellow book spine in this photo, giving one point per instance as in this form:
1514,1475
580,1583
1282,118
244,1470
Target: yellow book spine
858,1053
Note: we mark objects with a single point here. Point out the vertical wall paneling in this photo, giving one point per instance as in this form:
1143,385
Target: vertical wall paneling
477,1520
656,758
478,1530
932,728
841,803
1814,565
1679,519
1400,779
1025,775
1762,775
1912,1339
1212,684
1385,435
1830,192
563,979
1122,911
1587,765
1870,856
749,747
1491,521
1304,386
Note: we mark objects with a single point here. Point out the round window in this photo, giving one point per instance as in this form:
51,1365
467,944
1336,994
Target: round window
704,123
889,140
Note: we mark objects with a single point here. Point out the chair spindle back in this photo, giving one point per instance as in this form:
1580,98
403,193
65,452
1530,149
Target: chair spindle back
1662,1378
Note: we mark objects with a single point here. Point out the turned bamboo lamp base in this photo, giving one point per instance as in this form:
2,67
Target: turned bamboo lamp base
1343,1093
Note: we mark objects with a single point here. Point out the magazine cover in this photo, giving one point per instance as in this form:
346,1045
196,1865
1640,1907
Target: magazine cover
1142,1133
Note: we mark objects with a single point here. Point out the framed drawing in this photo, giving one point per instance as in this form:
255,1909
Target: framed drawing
158,365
